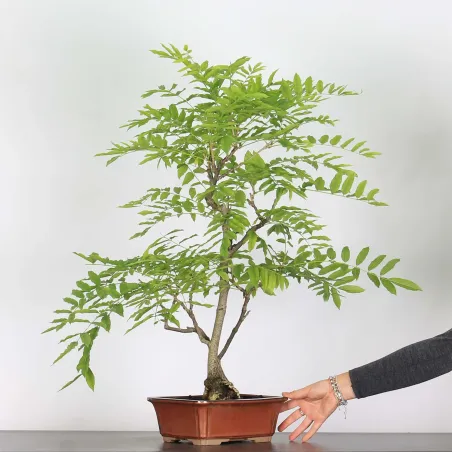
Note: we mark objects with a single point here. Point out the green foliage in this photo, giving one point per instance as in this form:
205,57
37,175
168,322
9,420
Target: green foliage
218,138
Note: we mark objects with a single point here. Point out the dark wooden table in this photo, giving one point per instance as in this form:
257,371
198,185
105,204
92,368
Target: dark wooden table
39,441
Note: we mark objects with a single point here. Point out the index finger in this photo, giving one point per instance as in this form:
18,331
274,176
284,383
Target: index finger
298,394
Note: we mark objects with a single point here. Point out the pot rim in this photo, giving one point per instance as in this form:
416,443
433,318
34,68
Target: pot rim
184,399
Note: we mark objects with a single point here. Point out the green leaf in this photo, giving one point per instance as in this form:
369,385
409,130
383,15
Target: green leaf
264,278
173,320
83,363
336,183
113,292
346,143
268,280
90,379
335,140
374,278
362,255
331,253
345,255
226,143
68,349
137,324
297,84
339,273
94,278
252,239
237,270
405,283
357,146
181,170
319,183
94,332
272,76
348,184
336,298
240,197
70,301
105,322
188,178
118,309
329,268
253,273
82,285
389,266
389,286
360,189
86,339
173,111
311,139
376,262
372,193
253,162
345,280
70,382
223,275
352,289
50,329
308,85
78,293
272,282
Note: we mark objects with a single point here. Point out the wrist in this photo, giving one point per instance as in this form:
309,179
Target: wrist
345,386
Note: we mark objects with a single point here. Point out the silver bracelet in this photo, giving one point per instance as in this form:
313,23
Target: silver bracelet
338,394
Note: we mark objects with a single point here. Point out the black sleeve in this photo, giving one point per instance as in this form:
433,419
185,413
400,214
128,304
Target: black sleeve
408,366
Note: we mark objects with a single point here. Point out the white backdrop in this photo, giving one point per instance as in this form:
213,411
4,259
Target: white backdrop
73,71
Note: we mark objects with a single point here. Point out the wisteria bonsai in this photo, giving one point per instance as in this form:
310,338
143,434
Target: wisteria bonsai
235,138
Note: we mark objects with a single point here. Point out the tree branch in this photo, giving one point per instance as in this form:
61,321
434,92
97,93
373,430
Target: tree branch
178,330
198,330
243,315
226,159
262,222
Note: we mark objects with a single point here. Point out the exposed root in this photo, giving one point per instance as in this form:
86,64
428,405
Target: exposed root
218,388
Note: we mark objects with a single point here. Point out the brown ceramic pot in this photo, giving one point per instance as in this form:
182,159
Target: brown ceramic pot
202,422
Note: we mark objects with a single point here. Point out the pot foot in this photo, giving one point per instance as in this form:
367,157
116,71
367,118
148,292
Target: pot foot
167,439
262,439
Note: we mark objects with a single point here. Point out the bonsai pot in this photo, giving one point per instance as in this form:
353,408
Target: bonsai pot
202,422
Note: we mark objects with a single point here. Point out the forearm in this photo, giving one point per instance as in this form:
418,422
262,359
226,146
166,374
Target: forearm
345,386
408,366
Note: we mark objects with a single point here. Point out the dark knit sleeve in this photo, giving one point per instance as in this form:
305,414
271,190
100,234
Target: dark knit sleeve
408,366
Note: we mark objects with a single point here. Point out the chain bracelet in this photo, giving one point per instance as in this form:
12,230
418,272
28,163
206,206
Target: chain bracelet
338,394
341,402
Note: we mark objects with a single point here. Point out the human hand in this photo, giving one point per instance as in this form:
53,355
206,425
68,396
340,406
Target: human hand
315,402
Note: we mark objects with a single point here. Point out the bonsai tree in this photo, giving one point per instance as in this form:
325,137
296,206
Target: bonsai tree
245,169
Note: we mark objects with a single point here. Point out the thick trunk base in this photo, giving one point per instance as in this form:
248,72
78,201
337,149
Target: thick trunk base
219,388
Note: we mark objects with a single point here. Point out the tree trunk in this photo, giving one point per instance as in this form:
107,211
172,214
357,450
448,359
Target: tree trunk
217,386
